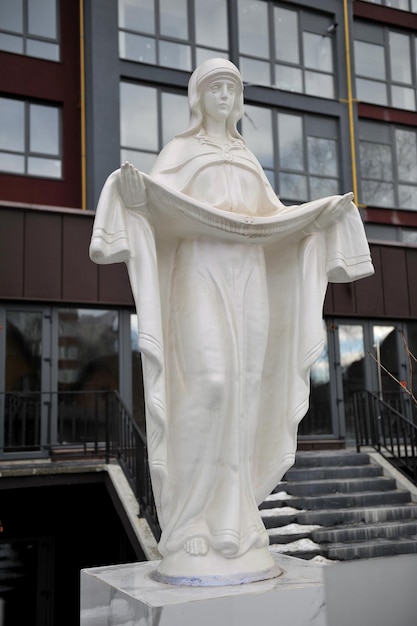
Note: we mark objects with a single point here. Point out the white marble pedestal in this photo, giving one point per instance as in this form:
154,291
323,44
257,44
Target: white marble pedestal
126,595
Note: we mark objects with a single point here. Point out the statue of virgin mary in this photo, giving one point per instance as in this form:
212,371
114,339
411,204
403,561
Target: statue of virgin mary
229,285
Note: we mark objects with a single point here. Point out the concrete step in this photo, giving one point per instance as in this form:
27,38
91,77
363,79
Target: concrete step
333,472
329,458
365,514
371,549
360,532
302,549
345,500
349,485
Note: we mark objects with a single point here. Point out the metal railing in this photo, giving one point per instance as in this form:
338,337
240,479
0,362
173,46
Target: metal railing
86,423
380,425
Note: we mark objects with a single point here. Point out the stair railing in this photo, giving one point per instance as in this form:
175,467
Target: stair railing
382,427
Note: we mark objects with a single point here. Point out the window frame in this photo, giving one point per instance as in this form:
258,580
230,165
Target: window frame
26,37
27,153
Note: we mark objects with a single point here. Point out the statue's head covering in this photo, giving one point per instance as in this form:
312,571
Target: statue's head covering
200,78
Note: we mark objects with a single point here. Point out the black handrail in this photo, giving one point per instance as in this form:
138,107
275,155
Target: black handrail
89,423
381,426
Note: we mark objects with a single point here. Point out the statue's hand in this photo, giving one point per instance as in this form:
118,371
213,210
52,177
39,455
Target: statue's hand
133,187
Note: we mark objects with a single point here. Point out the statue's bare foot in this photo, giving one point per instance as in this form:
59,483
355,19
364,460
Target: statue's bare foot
196,546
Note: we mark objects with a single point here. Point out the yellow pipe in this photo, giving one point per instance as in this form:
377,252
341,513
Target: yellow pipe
350,102
82,106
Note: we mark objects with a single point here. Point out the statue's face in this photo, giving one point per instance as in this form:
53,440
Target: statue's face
219,98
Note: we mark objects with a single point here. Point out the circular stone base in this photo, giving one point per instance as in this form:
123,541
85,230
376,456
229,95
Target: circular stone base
213,569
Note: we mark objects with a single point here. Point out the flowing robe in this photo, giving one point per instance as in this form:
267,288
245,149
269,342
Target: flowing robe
229,287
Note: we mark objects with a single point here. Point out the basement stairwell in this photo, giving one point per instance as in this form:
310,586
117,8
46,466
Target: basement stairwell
340,506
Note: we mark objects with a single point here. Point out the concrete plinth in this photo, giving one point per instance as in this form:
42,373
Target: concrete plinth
124,595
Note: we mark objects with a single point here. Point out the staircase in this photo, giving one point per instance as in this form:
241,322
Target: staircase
338,505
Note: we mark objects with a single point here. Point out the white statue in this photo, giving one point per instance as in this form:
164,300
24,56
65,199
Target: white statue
229,286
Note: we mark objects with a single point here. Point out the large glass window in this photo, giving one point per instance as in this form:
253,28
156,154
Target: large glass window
402,5
298,152
173,33
384,66
149,118
30,138
388,160
30,27
291,49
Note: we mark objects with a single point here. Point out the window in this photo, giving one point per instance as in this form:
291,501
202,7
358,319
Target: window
302,161
388,159
403,5
142,135
30,27
173,33
30,138
385,66
291,49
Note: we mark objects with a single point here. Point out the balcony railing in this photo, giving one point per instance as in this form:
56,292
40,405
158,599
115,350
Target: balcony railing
380,425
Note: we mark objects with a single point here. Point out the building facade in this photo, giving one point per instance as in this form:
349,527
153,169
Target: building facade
330,106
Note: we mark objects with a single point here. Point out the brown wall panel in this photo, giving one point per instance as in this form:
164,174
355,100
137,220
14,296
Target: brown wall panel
342,300
42,260
394,277
369,294
11,253
411,257
114,286
79,274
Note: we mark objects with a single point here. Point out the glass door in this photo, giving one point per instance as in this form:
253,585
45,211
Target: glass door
25,411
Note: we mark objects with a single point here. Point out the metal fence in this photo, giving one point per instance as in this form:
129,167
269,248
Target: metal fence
380,425
87,423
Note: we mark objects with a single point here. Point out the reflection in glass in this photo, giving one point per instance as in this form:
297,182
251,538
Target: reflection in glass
321,187
137,48
288,78
11,15
12,163
204,54
137,15
376,160
211,25
42,49
352,355
12,125
322,156
44,129
385,350
255,72
290,141
49,168
400,57
286,35
175,55
369,60
406,146
23,379
403,98
257,130
371,91
378,193
42,18
138,117
88,362
407,196
175,115
173,18
11,43
318,420
321,85
318,52
293,186
253,28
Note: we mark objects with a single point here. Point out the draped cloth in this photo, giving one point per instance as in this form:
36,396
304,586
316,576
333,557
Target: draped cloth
229,286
